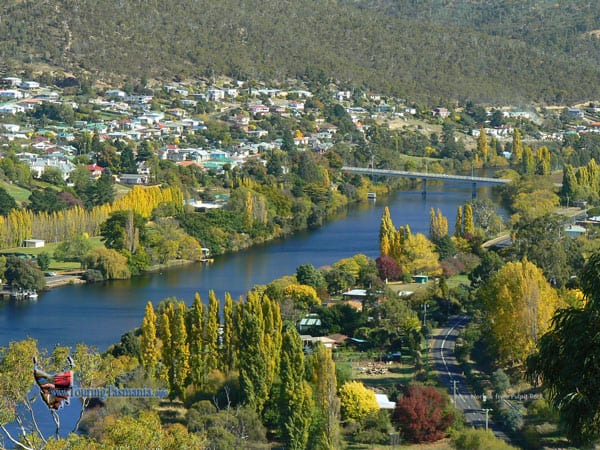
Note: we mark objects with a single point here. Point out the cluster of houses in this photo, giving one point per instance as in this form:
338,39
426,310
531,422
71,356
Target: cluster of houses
136,117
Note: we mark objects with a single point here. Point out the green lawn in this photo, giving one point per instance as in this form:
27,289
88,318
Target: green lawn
55,266
18,193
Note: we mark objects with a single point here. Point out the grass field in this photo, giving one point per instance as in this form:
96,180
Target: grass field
55,266
18,193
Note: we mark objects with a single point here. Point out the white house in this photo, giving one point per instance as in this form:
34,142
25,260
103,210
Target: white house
11,108
11,93
215,95
29,85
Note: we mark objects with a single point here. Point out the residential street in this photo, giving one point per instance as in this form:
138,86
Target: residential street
450,373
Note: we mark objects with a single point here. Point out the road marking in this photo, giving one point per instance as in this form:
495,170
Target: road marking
442,353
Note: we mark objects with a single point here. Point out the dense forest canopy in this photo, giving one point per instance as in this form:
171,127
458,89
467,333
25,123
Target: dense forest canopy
490,51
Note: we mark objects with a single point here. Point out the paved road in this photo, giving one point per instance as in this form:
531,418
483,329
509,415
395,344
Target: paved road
451,376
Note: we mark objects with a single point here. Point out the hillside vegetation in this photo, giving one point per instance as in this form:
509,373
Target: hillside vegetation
423,50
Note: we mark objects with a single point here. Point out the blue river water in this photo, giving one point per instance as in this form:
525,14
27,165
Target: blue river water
98,314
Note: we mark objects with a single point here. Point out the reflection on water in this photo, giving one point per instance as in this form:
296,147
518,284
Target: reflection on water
99,314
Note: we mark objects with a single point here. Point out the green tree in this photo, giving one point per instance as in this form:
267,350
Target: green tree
253,360
567,364
102,191
73,249
110,263
43,260
230,341
6,202
325,428
308,275
20,274
124,230
295,402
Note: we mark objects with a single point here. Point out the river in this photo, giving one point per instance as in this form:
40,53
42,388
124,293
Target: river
98,314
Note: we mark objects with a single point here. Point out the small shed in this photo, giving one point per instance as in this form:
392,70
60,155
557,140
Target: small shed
384,402
34,243
421,279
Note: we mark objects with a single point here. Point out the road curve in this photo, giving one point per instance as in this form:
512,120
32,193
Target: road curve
443,342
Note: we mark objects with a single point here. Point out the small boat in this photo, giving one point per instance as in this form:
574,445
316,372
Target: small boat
32,295
371,195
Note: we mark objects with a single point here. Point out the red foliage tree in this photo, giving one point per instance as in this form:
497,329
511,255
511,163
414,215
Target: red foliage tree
421,414
388,268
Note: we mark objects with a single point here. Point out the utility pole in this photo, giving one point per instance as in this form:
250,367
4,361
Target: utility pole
487,410
454,391
425,306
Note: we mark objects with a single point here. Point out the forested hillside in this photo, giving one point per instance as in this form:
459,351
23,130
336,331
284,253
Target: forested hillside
435,49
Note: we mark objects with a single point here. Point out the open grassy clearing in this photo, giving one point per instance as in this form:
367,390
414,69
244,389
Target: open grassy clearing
55,265
18,193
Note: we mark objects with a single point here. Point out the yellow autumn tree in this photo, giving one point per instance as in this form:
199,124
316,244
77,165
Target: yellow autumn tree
518,303
438,225
304,297
356,401
419,256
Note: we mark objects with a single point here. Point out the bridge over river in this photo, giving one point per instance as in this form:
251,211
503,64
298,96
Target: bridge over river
446,178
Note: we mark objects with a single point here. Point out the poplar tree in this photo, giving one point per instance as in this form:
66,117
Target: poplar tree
196,341
253,361
517,147
165,337
458,227
148,342
518,303
482,145
528,162
438,225
386,233
180,351
211,333
469,221
325,429
569,182
272,343
295,403
543,161
228,358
